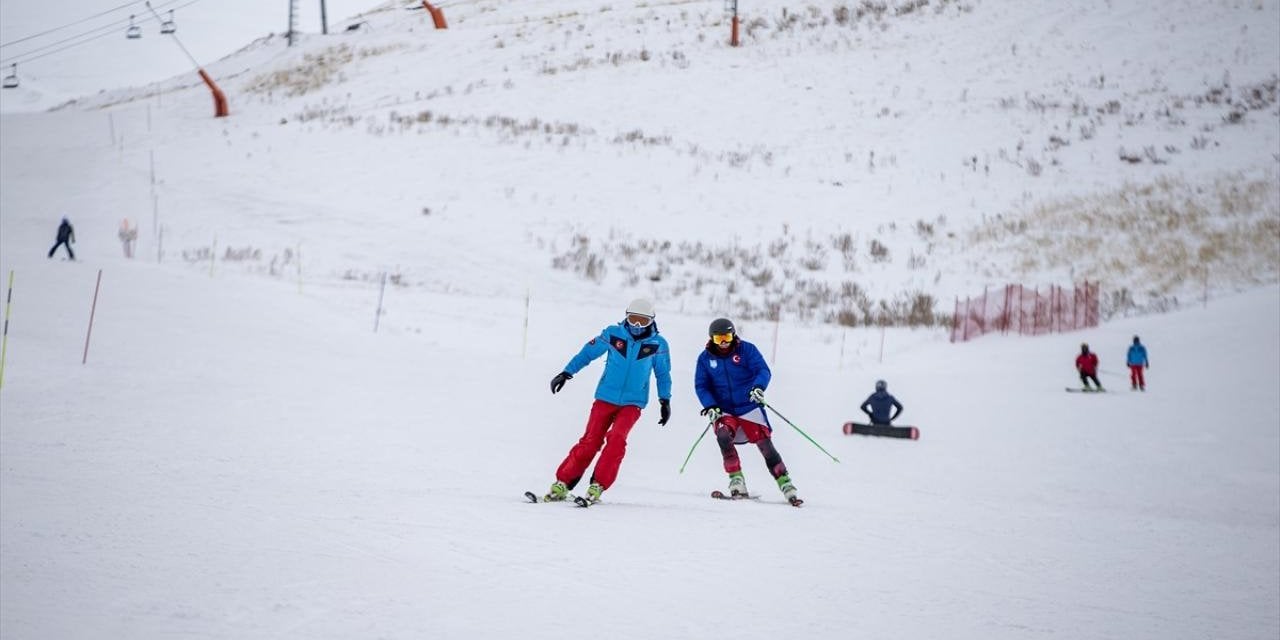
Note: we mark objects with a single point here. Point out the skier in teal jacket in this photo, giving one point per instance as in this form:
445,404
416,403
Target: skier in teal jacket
1137,361
633,351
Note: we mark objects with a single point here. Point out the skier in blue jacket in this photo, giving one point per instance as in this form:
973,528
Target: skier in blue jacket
633,351
878,404
1137,360
730,380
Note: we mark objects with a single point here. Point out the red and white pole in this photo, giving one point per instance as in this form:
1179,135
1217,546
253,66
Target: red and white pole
731,6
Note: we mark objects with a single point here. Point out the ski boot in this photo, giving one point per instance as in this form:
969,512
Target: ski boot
737,485
789,491
592,497
559,493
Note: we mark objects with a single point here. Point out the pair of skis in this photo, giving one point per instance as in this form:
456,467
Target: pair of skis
578,500
719,495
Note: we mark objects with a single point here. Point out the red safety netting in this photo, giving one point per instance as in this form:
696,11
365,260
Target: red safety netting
1026,311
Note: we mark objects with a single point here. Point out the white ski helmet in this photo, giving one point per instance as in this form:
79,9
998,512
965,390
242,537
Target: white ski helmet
641,307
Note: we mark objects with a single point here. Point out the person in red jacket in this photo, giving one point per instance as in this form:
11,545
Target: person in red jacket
1087,365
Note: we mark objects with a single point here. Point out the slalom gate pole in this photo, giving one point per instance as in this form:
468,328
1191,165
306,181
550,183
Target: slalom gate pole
92,310
806,436
695,446
377,315
4,342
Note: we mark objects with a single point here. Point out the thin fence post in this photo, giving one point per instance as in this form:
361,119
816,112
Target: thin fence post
4,342
1022,310
984,311
92,311
524,343
955,319
777,321
381,290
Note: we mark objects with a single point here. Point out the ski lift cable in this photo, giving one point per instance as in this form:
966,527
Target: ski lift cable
84,37
69,24
175,38
111,25
75,40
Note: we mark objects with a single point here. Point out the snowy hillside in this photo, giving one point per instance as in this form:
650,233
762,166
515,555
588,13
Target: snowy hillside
234,452
841,157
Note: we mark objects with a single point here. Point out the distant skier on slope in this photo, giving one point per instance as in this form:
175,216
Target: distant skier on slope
730,381
66,238
633,351
878,404
1087,365
1137,360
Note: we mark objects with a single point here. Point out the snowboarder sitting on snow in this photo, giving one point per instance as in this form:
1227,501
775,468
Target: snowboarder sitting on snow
66,238
1137,360
633,351
877,405
730,380
1087,365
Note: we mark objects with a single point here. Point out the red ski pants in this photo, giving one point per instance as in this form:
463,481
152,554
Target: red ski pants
1135,376
607,426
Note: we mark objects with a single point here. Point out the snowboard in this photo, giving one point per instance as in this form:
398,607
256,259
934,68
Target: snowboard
887,431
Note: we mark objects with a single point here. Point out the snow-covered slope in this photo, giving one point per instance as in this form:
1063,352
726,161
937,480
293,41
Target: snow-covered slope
840,151
242,456
241,460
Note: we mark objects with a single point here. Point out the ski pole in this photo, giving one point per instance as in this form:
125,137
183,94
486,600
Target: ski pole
793,426
695,446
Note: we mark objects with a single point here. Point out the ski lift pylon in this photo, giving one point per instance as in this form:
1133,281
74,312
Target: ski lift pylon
11,80
134,31
168,26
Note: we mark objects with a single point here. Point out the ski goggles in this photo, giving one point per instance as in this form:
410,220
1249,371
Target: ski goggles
637,320
722,338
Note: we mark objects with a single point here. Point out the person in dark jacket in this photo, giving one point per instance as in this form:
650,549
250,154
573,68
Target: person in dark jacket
730,380
633,351
878,404
1087,365
66,237
1137,361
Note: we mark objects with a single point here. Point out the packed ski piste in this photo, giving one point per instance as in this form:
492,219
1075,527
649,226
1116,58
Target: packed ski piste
730,382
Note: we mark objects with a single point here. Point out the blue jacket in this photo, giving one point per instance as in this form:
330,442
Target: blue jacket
726,381
880,402
1138,355
626,371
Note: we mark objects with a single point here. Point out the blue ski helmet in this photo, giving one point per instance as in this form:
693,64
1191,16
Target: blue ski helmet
881,385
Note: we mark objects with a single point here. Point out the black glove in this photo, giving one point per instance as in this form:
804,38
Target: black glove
664,411
557,383
712,413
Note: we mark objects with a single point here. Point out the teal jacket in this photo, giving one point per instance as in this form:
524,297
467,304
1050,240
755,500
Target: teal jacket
630,361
